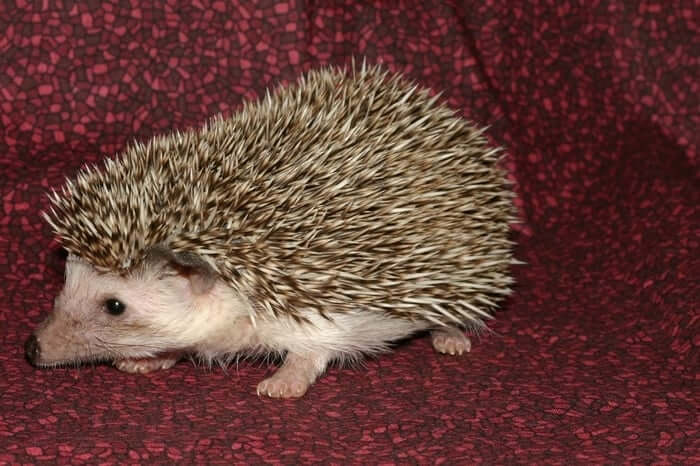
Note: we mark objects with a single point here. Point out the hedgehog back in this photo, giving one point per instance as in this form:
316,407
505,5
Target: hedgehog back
349,190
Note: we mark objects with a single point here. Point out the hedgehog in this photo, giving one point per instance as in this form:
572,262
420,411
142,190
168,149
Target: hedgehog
319,224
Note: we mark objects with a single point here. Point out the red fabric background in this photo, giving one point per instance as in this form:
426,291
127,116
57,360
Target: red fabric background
595,359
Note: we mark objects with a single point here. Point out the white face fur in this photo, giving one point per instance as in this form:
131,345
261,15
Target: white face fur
154,310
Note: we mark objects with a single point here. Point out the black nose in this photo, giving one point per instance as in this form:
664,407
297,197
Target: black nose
32,349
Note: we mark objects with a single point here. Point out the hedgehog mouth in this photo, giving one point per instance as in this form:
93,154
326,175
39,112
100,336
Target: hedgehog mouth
74,356
72,363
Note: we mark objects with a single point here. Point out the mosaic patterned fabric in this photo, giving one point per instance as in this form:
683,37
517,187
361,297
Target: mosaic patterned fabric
593,360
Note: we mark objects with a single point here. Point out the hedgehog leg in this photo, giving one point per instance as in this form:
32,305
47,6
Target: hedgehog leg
294,377
451,340
143,366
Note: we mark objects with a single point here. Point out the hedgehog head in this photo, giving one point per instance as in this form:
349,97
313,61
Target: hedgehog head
166,304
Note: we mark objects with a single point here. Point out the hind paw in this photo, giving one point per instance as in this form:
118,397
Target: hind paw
144,366
451,341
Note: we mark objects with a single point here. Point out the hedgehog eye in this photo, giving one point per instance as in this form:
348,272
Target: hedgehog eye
114,306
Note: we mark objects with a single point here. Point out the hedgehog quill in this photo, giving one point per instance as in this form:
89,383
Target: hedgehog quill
321,223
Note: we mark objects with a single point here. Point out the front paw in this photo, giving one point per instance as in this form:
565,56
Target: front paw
144,366
283,387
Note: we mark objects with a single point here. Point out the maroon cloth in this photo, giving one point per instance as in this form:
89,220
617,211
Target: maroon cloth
593,360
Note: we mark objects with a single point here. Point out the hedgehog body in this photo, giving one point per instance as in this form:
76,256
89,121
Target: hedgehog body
351,208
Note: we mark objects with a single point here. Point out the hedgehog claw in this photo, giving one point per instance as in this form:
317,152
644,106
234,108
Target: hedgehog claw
294,378
144,366
276,388
451,341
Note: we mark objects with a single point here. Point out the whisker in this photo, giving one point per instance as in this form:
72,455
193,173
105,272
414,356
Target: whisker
113,344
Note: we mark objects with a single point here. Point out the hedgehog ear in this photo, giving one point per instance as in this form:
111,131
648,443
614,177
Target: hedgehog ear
198,272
